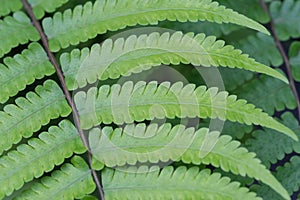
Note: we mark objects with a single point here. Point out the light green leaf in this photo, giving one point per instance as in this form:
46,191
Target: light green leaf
85,22
142,101
169,183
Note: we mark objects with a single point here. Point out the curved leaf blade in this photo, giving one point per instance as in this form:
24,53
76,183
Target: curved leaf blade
146,101
85,22
135,54
140,144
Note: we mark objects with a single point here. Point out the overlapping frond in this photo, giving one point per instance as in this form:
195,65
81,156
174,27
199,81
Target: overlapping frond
85,22
72,181
256,45
146,101
39,155
153,144
15,30
41,6
8,6
23,69
271,152
288,175
286,18
30,113
170,183
123,57
279,95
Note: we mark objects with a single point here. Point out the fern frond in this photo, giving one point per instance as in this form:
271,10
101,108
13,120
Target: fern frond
16,30
85,22
288,175
8,6
30,113
123,57
279,95
146,101
286,18
271,152
41,6
22,70
169,183
256,45
153,144
38,156
70,182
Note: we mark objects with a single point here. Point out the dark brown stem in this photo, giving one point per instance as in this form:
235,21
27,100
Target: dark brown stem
284,56
61,78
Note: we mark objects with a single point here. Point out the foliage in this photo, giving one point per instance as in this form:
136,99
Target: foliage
81,106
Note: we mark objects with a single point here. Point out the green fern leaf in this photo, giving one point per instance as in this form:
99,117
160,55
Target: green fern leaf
271,152
16,30
153,144
87,21
294,56
288,175
38,156
256,45
30,113
169,183
70,182
22,70
42,6
129,102
286,18
280,95
8,6
123,57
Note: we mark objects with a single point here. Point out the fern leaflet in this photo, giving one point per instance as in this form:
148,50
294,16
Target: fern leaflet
16,29
180,183
153,144
129,102
42,6
8,6
30,113
22,70
279,96
70,182
286,18
123,57
256,45
270,153
85,22
288,175
38,156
